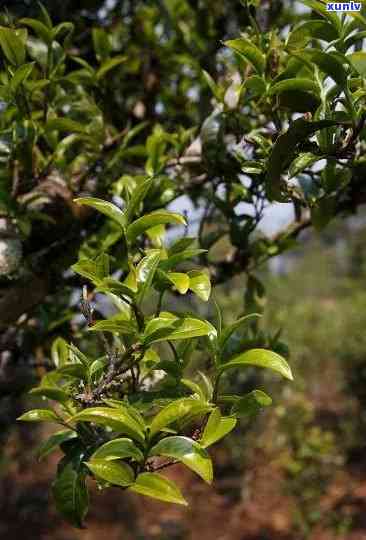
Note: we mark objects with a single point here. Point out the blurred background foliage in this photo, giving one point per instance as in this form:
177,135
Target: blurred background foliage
302,471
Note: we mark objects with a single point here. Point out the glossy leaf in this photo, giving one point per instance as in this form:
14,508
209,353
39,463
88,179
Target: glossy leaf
156,486
108,209
118,449
118,474
180,281
118,419
304,85
137,197
59,352
260,358
188,452
148,221
175,411
39,415
200,284
145,272
328,63
216,428
168,328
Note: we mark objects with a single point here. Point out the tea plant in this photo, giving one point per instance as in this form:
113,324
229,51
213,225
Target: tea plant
120,418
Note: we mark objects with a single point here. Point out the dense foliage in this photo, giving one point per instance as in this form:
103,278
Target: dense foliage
146,108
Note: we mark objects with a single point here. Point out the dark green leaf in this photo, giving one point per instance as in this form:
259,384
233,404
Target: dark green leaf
71,495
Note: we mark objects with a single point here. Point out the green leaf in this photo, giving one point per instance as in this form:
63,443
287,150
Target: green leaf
53,442
168,327
216,428
145,272
102,44
284,150
159,217
303,161
327,63
118,474
358,61
260,358
251,404
117,326
50,392
180,281
71,495
102,265
109,64
39,28
157,487
12,46
108,209
320,7
39,415
188,452
249,52
176,258
176,411
20,76
200,284
118,449
116,287
298,83
137,197
306,31
65,125
59,352
118,419
229,330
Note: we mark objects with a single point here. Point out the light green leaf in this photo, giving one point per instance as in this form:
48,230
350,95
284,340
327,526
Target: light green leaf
20,76
12,46
188,452
159,217
260,358
200,284
249,52
39,415
105,207
71,495
158,487
145,272
50,392
168,328
118,449
59,352
39,28
216,428
358,61
302,162
176,258
118,474
118,326
137,197
118,419
180,281
176,410
306,31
